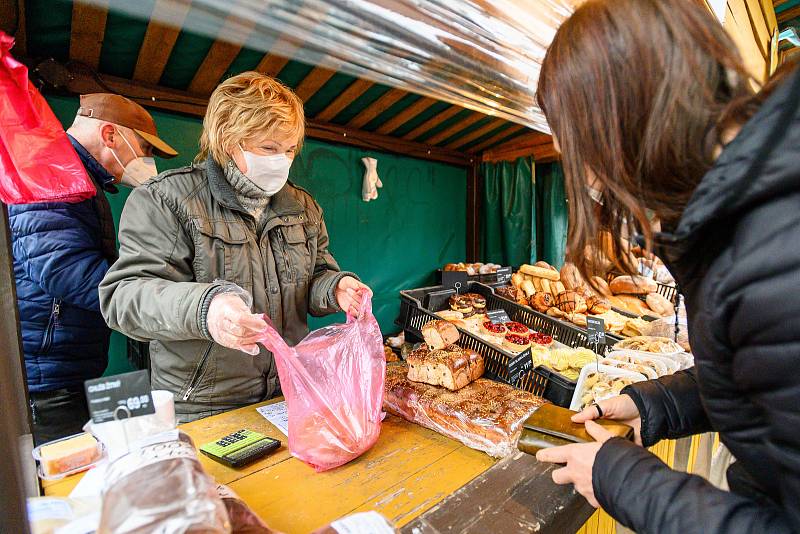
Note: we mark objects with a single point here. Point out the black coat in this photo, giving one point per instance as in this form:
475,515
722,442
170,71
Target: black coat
736,256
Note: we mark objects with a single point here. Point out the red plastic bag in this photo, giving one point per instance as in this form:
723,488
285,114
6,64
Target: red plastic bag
37,161
333,384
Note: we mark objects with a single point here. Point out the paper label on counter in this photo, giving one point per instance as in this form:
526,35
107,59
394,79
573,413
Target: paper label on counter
277,415
48,508
363,523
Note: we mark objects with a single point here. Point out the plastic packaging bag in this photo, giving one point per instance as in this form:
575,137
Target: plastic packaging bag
485,415
333,384
243,519
160,486
37,161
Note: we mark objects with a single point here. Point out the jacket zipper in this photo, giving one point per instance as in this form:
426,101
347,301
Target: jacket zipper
285,253
55,312
198,372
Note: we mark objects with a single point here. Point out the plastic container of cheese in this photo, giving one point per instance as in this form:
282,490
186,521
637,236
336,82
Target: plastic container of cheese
67,456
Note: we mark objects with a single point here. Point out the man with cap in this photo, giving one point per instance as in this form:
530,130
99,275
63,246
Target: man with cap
61,253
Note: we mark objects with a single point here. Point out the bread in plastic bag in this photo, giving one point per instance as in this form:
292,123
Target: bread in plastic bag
333,385
161,487
485,415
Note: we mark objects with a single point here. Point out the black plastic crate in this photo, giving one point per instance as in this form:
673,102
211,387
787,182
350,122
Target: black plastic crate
420,306
667,291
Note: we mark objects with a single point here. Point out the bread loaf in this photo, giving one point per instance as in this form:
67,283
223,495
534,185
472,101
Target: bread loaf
660,304
570,276
632,285
597,305
517,279
634,304
451,367
485,415
439,334
540,272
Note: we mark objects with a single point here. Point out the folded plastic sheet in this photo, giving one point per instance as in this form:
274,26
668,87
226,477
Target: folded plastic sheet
485,415
484,55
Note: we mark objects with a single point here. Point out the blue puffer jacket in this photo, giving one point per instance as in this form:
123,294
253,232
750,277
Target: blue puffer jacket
61,253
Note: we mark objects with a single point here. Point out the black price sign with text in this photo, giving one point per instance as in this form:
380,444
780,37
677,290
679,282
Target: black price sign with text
498,316
596,327
504,274
451,278
519,365
119,396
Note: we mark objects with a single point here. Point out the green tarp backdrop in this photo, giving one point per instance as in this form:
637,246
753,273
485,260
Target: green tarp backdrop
524,213
417,224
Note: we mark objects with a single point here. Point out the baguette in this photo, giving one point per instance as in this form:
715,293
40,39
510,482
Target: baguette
537,283
602,287
517,279
570,276
528,288
558,288
540,272
547,287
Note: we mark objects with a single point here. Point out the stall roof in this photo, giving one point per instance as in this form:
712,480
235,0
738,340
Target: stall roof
170,67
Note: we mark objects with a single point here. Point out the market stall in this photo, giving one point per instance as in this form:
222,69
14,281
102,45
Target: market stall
538,331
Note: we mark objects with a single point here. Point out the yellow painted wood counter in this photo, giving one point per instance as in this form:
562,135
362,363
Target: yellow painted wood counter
409,470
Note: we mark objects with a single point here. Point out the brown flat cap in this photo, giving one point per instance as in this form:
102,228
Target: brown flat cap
124,112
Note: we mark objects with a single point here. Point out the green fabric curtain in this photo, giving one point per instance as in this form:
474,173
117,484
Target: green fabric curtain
524,218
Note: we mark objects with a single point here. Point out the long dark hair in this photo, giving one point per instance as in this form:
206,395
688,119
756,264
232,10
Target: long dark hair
639,94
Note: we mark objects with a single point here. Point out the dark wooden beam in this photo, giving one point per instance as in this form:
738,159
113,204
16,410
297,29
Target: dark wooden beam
450,131
789,14
184,102
313,82
497,138
537,145
480,132
159,39
386,100
432,123
345,98
273,62
88,31
406,115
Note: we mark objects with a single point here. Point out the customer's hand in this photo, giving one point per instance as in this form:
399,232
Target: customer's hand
232,325
579,460
620,408
348,295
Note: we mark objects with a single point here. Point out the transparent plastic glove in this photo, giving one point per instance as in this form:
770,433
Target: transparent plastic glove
230,322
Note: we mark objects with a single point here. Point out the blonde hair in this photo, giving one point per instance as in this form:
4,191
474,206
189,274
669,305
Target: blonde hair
247,106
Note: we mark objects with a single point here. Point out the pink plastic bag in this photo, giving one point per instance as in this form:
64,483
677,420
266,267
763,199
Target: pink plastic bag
333,384
37,161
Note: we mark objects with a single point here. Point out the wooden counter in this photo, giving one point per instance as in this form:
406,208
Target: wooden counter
408,471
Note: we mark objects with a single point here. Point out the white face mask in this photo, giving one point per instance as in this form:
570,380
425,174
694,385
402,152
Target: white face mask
138,170
270,173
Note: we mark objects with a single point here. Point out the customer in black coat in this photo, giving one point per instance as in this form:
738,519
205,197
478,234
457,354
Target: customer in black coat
689,142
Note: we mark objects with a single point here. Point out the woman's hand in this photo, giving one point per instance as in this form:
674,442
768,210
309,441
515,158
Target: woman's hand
232,325
620,408
579,460
347,295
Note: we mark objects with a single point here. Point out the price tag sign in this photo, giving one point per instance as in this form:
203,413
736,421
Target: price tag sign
504,274
498,316
451,278
519,365
596,327
119,397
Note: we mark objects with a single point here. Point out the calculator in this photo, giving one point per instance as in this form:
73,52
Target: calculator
240,448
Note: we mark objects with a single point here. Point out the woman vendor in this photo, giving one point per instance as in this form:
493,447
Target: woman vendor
206,249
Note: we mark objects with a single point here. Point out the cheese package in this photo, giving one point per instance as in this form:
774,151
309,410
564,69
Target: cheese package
66,456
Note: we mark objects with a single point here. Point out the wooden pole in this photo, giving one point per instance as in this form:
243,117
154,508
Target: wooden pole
15,415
